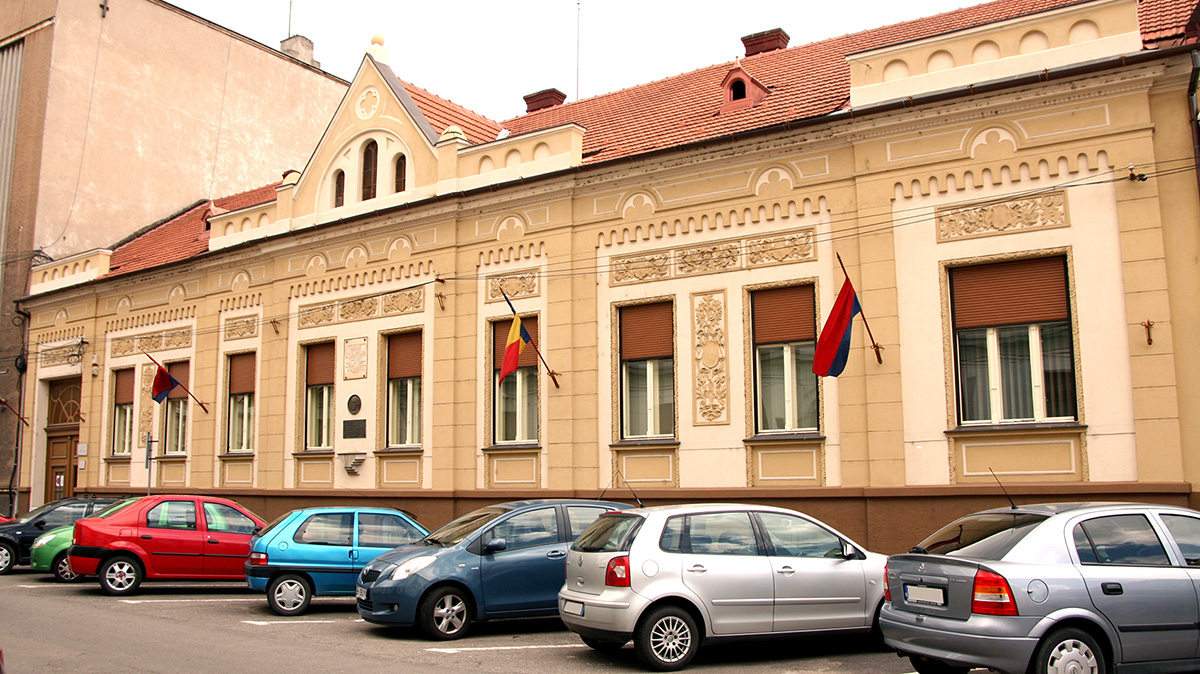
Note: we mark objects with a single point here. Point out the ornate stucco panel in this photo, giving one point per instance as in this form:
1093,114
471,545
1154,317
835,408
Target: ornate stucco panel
710,369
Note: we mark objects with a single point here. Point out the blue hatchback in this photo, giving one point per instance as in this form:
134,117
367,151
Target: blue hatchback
501,561
320,552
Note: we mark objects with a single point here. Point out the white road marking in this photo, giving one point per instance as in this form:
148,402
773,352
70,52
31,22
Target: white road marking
183,601
261,623
502,648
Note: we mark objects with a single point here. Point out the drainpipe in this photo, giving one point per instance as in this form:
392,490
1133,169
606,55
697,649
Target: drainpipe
12,492
1194,107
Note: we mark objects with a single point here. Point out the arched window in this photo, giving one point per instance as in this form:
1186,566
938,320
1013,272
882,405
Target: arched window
737,90
401,166
339,189
369,170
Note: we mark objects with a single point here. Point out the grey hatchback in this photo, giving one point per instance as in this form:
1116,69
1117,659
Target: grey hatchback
1080,588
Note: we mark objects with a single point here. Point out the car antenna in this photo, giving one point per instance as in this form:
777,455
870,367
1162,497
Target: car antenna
1010,501
631,491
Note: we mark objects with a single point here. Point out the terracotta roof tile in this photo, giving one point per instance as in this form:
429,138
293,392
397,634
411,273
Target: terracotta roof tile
441,113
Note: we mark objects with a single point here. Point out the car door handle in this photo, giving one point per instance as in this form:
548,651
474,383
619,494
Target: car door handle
697,568
1112,588
147,536
556,554
214,541
786,570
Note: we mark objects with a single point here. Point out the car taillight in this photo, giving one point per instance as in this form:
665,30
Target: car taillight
258,558
887,590
992,595
617,573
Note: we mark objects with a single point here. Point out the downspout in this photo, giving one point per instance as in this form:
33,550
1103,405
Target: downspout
1194,108
21,367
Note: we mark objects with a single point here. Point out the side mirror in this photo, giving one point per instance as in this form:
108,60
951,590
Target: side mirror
849,551
40,524
495,545
257,531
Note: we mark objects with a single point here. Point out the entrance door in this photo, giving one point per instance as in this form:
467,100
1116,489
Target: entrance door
60,466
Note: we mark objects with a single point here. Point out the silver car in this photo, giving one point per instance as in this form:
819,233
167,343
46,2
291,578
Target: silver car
674,577
1051,588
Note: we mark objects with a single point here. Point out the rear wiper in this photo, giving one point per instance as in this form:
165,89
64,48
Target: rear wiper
431,541
917,550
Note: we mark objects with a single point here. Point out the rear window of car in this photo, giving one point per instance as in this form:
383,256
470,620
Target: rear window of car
609,533
982,536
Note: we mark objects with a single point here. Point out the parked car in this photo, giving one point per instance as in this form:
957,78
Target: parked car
320,551
673,578
166,536
501,561
49,551
16,537
1050,588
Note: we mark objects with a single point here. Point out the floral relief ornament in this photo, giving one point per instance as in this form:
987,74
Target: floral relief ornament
712,378
1038,212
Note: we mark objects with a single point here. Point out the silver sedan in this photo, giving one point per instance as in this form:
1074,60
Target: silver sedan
1080,588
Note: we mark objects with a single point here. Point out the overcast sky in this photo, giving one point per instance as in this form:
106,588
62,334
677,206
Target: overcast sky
487,55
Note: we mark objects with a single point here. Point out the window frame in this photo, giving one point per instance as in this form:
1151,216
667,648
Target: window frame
411,415
646,338
654,412
526,379
175,420
370,170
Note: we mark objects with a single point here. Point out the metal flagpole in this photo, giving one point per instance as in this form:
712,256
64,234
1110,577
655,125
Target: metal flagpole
552,373
874,344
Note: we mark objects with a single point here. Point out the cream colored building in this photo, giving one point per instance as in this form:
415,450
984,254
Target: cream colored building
1011,188
115,115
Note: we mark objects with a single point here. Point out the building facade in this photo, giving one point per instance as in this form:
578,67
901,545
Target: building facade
114,116
1010,189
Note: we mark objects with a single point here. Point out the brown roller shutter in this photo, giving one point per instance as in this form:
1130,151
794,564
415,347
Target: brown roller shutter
241,373
784,314
124,387
647,331
1008,293
404,355
180,372
319,364
500,340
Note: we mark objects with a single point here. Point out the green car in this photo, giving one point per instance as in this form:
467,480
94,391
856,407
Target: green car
49,553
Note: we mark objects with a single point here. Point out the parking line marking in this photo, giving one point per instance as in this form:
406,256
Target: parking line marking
262,623
183,601
502,648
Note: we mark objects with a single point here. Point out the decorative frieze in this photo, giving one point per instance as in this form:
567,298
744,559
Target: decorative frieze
729,255
521,284
711,371
359,309
989,219
372,306
316,315
63,355
241,328
178,338
404,302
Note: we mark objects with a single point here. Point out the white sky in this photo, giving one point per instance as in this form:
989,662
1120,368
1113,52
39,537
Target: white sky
487,55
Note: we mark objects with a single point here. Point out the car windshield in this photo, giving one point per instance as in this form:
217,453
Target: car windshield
981,536
453,533
609,533
33,515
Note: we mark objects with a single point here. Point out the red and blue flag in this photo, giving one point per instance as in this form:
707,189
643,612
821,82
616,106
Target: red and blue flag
833,346
518,337
163,383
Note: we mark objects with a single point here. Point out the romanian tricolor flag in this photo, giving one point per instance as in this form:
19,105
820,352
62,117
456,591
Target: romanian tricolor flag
833,346
518,337
163,383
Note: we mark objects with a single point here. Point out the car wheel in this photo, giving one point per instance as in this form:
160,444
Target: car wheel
8,557
444,614
666,639
120,576
925,665
289,594
603,646
1069,650
62,569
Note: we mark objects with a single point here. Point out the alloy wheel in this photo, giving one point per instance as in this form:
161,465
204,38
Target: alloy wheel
670,639
449,614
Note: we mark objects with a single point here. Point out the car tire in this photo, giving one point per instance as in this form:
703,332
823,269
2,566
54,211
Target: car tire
61,567
289,594
444,614
1069,650
8,557
925,665
120,576
603,646
666,639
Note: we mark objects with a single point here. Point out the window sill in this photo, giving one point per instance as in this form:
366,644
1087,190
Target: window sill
415,449
630,443
171,458
234,456
768,438
315,452
1031,427
119,458
513,446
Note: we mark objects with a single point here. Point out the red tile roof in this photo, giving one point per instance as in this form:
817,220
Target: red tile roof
181,236
441,113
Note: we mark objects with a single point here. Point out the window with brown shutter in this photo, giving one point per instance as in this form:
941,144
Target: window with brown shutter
241,373
647,331
404,355
319,364
123,390
500,341
180,372
1010,293
783,314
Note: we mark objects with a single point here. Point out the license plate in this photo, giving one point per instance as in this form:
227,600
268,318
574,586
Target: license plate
919,594
360,593
572,607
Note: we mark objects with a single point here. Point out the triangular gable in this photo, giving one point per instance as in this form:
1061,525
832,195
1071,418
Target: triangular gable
406,101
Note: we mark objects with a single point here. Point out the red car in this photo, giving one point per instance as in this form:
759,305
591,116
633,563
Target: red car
193,537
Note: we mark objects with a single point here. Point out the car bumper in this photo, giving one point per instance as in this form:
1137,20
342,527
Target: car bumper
609,616
981,641
391,603
42,559
85,559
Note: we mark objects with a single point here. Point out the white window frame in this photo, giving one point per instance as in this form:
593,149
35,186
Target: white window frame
653,411
411,415
175,420
241,405
526,428
790,386
318,431
122,429
995,381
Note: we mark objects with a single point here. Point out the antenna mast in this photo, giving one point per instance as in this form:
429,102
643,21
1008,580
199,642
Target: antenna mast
289,33
578,20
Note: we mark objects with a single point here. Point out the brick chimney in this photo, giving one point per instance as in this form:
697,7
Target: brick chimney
299,48
768,40
546,98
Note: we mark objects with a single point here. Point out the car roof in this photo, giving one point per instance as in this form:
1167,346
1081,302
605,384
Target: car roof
1051,509
705,508
320,509
515,505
